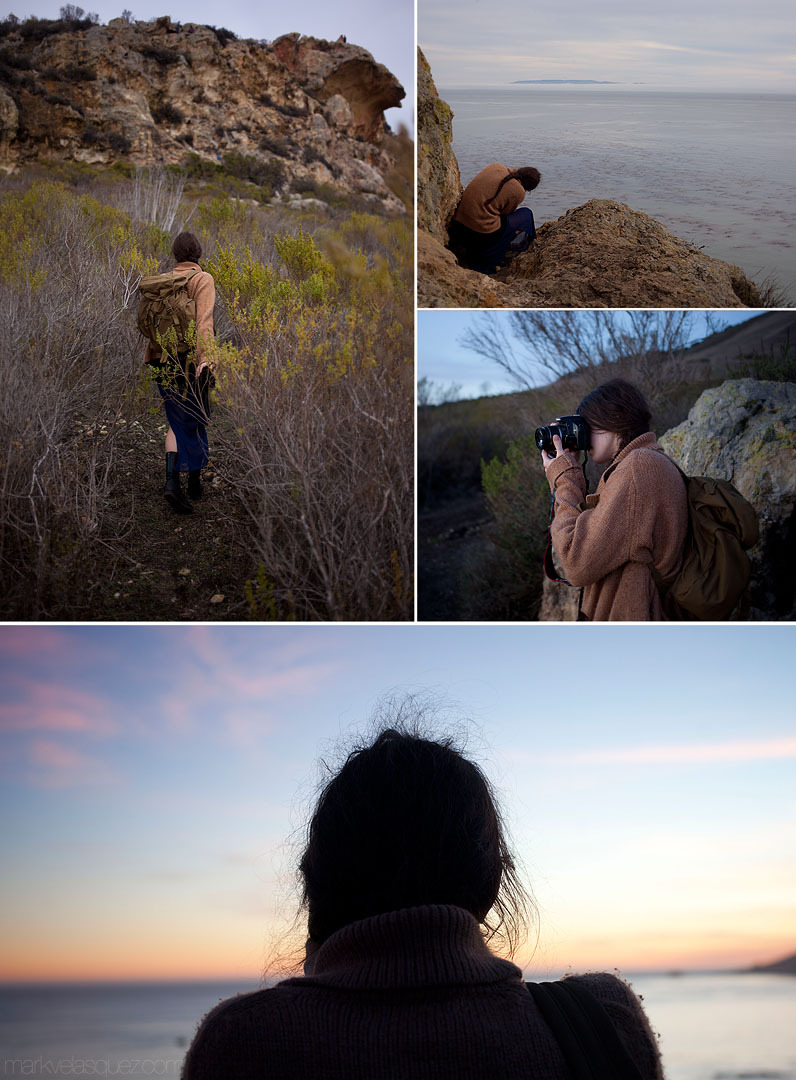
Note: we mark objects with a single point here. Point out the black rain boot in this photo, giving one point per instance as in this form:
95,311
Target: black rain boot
195,483
173,492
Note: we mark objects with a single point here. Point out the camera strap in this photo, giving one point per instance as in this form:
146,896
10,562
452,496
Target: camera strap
549,567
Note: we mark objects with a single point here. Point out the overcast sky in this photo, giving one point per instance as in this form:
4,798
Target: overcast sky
154,778
443,359
385,30
715,44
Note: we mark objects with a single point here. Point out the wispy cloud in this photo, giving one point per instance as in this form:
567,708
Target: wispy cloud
54,765
674,754
54,706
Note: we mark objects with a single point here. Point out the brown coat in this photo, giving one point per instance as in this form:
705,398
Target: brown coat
478,209
637,518
202,289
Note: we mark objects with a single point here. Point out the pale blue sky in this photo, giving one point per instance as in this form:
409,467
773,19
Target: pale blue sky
153,779
387,31
442,358
716,45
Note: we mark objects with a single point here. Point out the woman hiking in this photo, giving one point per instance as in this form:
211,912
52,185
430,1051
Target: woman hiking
489,219
406,877
185,378
614,542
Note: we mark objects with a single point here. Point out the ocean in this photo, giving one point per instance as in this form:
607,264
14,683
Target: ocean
717,169
712,1027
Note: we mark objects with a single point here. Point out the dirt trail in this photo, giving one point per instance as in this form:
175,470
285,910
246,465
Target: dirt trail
169,566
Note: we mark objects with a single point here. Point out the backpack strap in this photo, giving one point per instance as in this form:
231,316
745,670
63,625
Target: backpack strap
584,1032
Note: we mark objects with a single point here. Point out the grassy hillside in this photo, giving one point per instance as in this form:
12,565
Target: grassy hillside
307,512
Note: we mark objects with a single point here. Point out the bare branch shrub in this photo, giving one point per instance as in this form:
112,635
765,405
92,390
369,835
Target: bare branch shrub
69,364
316,416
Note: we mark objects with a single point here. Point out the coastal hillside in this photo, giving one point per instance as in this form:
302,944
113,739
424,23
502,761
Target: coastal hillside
295,114
601,254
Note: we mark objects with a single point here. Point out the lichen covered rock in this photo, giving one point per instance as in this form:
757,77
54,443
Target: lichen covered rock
744,431
439,185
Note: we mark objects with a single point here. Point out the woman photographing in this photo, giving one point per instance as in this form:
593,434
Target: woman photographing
614,542
406,877
489,219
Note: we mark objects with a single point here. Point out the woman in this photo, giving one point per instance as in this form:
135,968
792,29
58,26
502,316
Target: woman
634,526
488,222
185,385
406,876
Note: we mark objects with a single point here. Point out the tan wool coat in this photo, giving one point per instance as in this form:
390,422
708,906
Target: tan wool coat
201,289
478,210
607,542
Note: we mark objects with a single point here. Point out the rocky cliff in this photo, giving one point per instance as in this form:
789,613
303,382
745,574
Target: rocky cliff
155,92
602,254
743,431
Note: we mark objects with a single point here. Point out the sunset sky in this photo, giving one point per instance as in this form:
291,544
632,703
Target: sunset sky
154,781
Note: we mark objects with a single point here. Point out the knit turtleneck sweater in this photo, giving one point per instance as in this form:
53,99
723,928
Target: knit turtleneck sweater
409,994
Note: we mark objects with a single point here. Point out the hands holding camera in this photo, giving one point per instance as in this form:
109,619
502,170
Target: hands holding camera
547,460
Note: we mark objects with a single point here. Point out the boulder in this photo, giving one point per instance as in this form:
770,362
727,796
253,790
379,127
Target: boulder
744,431
604,254
438,182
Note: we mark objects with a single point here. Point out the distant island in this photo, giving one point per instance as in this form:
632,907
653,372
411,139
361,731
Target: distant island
568,82
786,966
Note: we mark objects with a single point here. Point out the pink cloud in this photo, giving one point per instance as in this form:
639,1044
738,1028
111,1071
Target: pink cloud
58,766
692,753
56,707
27,642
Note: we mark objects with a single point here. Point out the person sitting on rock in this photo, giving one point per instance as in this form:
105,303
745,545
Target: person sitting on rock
489,219
610,542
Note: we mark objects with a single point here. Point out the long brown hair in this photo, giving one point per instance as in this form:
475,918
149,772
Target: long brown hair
527,176
617,406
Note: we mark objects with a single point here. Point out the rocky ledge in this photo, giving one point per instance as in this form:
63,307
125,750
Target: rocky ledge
602,254
155,92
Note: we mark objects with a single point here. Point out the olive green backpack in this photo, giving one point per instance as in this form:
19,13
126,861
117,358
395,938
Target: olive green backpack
715,570
166,313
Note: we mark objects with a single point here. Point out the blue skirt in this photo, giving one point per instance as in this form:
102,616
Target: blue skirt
186,399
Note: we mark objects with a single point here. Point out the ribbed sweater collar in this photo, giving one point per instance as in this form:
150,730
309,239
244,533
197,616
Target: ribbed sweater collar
436,945
647,441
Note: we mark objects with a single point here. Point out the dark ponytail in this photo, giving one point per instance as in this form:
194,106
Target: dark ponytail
527,176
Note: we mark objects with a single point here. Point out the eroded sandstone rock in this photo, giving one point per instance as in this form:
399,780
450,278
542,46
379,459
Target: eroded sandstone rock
154,92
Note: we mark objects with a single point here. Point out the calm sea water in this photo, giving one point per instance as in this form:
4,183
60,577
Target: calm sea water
712,1027
716,169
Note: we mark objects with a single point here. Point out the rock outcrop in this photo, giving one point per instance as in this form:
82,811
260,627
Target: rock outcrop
602,254
743,431
155,92
439,186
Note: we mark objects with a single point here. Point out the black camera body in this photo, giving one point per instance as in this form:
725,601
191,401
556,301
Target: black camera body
573,431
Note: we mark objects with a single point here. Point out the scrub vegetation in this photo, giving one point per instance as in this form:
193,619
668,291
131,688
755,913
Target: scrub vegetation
307,512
